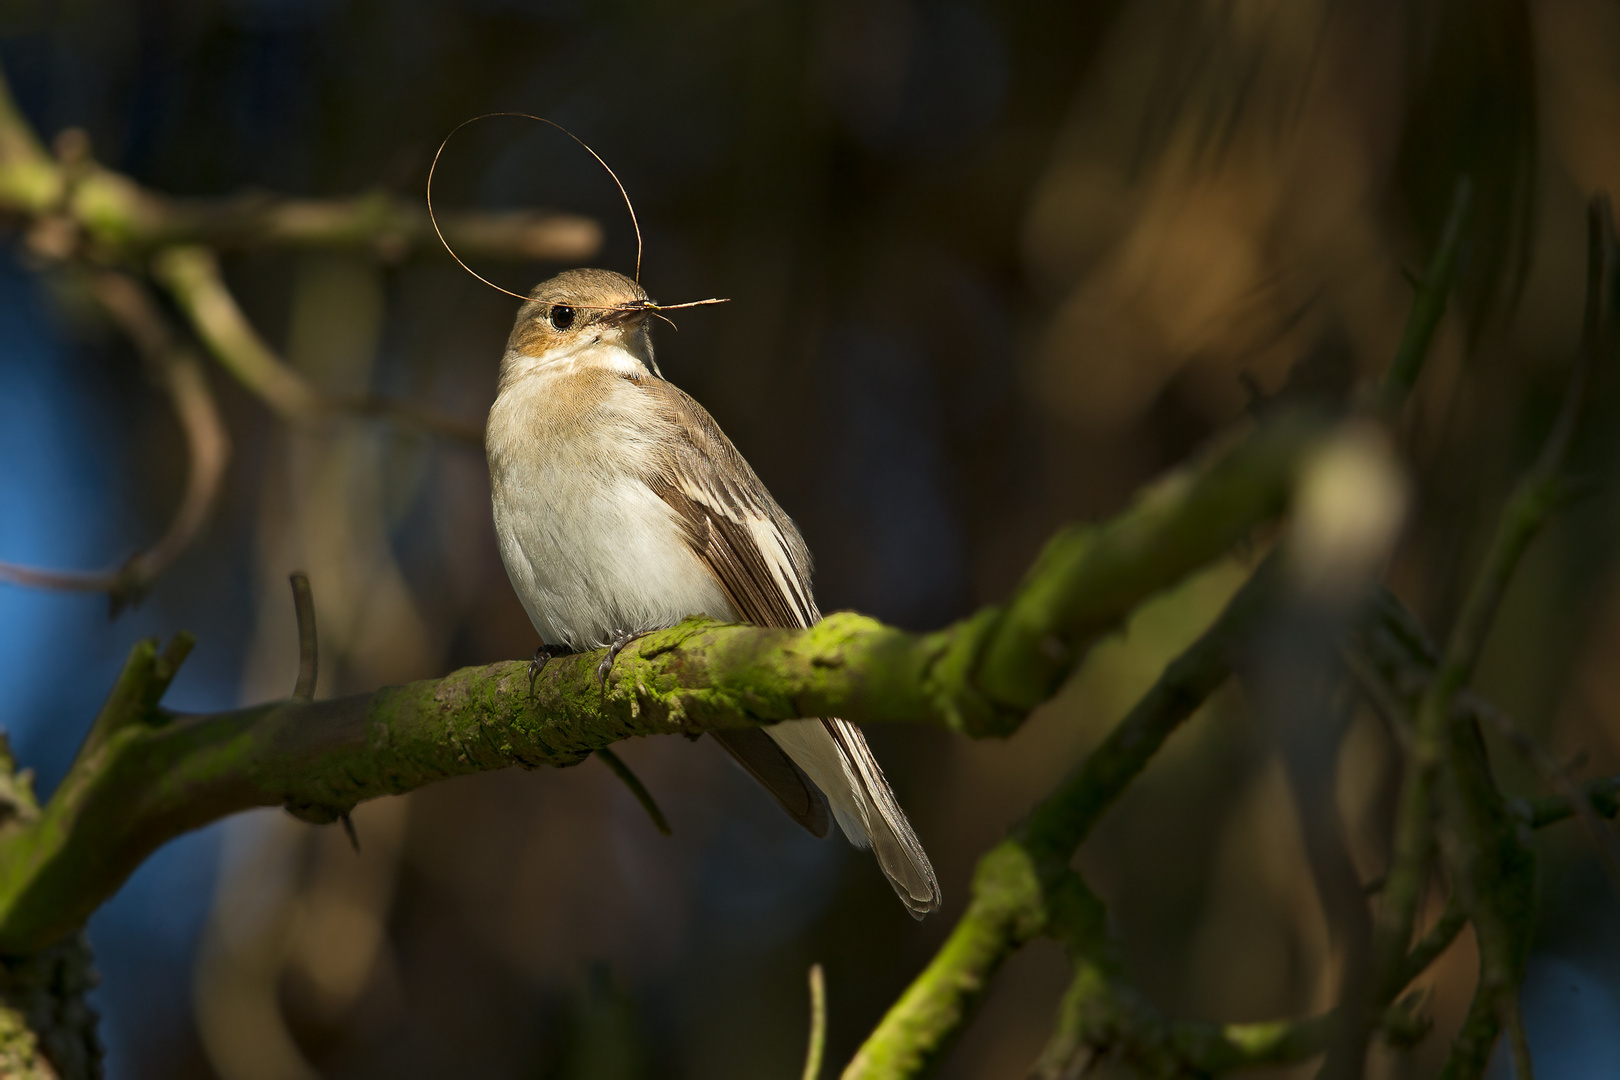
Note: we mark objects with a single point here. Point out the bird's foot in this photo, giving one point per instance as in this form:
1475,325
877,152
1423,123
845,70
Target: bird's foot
543,655
620,639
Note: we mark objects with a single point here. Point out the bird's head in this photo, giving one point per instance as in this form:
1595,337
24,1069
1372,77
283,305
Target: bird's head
579,310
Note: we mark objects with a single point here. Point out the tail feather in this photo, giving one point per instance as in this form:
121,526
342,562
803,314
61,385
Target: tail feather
834,754
766,762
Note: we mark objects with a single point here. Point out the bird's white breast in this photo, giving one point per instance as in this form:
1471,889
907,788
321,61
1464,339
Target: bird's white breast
590,549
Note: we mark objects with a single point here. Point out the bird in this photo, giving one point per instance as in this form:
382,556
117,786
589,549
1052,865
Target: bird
621,508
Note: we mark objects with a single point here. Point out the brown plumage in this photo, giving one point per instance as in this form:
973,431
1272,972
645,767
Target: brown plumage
621,507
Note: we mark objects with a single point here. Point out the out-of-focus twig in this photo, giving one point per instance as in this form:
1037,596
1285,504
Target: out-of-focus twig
1537,494
1346,519
637,788
1383,699
83,204
1436,941
1554,773
1103,1017
1428,306
309,654
192,276
176,369
818,1024
1603,794
1518,1043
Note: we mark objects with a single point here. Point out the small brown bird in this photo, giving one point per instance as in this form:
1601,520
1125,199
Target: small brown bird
622,508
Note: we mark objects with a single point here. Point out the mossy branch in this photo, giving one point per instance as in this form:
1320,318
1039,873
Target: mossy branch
1013,888
147,775
1022,882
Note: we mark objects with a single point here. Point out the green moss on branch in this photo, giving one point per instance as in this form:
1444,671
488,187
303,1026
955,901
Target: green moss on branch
146,776
1025,880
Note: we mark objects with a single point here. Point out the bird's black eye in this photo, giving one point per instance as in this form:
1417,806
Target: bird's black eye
561,317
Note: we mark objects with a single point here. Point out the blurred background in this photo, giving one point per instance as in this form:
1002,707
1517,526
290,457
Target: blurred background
991,267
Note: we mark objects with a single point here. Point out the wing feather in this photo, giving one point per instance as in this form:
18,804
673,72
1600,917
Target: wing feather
762,563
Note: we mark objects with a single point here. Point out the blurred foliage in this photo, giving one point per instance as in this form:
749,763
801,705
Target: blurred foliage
991,267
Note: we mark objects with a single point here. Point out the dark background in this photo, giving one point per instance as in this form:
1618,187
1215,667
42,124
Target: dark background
990,267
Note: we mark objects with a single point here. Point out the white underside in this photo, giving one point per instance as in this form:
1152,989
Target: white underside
593,552
588,564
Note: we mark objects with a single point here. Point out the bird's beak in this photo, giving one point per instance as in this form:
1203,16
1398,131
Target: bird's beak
628,315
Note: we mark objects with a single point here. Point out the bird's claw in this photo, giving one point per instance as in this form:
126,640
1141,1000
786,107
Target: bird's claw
542,656
621,638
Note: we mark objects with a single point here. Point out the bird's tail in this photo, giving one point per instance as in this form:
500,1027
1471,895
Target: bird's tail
833,753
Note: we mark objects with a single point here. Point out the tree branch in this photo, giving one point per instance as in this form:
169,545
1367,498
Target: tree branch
1030,658
1020,882
81,203
1103,1015
1428,305
149,775
176,369
192,276
1440,753
1046,628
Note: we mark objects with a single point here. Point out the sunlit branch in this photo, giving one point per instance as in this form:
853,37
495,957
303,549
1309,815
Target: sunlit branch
149,775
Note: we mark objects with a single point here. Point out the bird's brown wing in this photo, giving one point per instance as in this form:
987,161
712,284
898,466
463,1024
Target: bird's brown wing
714,517
757,555
766,762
